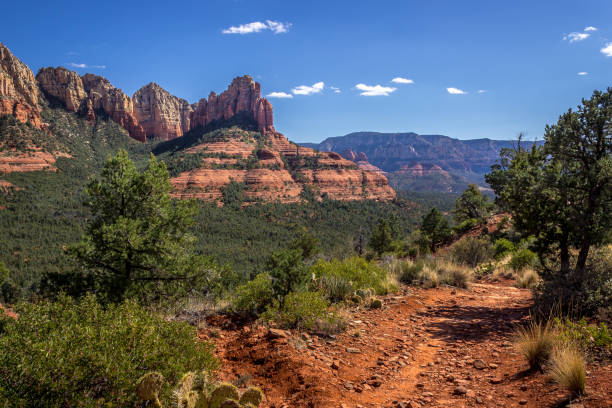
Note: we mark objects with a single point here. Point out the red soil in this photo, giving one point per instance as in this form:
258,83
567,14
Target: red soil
418,350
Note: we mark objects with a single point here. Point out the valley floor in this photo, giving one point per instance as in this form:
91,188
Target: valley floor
426,347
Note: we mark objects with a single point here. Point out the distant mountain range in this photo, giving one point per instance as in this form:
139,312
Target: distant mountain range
420,162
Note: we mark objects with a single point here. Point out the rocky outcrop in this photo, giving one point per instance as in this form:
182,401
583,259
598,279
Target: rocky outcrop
269,179
242,96
33,160
162,115
64,85
113,102
18,89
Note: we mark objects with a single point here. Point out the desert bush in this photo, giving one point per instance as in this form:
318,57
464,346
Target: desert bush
408,272
523,258
452,274
361,273
288,271
568,368
78,354
303,310
584,335
336,288
254,296
502,247
484,269
471,251
465,225
527,279
428,278
535,341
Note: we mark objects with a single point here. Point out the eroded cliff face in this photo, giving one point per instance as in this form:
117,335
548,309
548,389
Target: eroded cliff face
18,89
277,169
242,96
281,171
162,115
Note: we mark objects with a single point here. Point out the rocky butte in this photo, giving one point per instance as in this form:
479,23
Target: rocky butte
279,170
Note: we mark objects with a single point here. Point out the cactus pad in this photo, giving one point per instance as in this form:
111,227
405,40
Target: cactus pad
252,396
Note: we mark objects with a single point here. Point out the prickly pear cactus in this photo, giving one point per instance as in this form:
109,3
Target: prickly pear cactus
221,393
253,396
230,403
375,303
149,386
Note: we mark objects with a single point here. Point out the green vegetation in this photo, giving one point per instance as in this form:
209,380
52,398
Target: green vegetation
137,236
472,205
561,193
76,353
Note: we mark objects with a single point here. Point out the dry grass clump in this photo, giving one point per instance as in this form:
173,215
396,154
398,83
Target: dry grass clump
528,279
535,341
428,278
453,274
568,368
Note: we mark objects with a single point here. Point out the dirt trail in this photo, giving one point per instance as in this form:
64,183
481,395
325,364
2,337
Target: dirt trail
433,348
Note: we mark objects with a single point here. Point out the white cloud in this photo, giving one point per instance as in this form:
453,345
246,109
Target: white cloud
278,27
336,90
583,73
481,91
308,90
573,37
455,91
257,26
376,90
78,65
607,50
400,80
590,28
279,95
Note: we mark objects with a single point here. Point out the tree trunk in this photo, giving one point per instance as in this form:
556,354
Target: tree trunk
582,256
565,255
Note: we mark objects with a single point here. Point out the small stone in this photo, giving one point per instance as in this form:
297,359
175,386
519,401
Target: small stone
479,364
353,350
460,390
523,402
492,366
524,387
335,364
496,380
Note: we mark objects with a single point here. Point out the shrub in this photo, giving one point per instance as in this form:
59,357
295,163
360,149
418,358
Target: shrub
361,273
528,279
522,259
502,247
583,334
336,288
75,353
535,341
471,251
428,278
465,225
288,271
408,272
254,296
567,367
302,310
453,275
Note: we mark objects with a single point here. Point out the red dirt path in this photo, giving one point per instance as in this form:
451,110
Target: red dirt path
418,350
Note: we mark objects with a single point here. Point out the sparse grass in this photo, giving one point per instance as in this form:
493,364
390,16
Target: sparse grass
453,275
568,368
535,341
528,279
428,278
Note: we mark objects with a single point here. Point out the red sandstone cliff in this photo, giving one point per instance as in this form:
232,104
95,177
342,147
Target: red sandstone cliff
18,89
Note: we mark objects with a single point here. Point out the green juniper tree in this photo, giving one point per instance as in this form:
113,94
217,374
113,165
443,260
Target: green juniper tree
472,204
435,229
382,237
561,192
137,235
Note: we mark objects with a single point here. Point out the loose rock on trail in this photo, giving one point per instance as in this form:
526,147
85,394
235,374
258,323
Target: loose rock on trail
425,348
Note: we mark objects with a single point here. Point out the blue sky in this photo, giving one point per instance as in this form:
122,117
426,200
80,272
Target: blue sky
524,55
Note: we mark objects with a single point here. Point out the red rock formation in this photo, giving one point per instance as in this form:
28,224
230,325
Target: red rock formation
64,85
114,102
242,96
161,114
18,89
270,180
